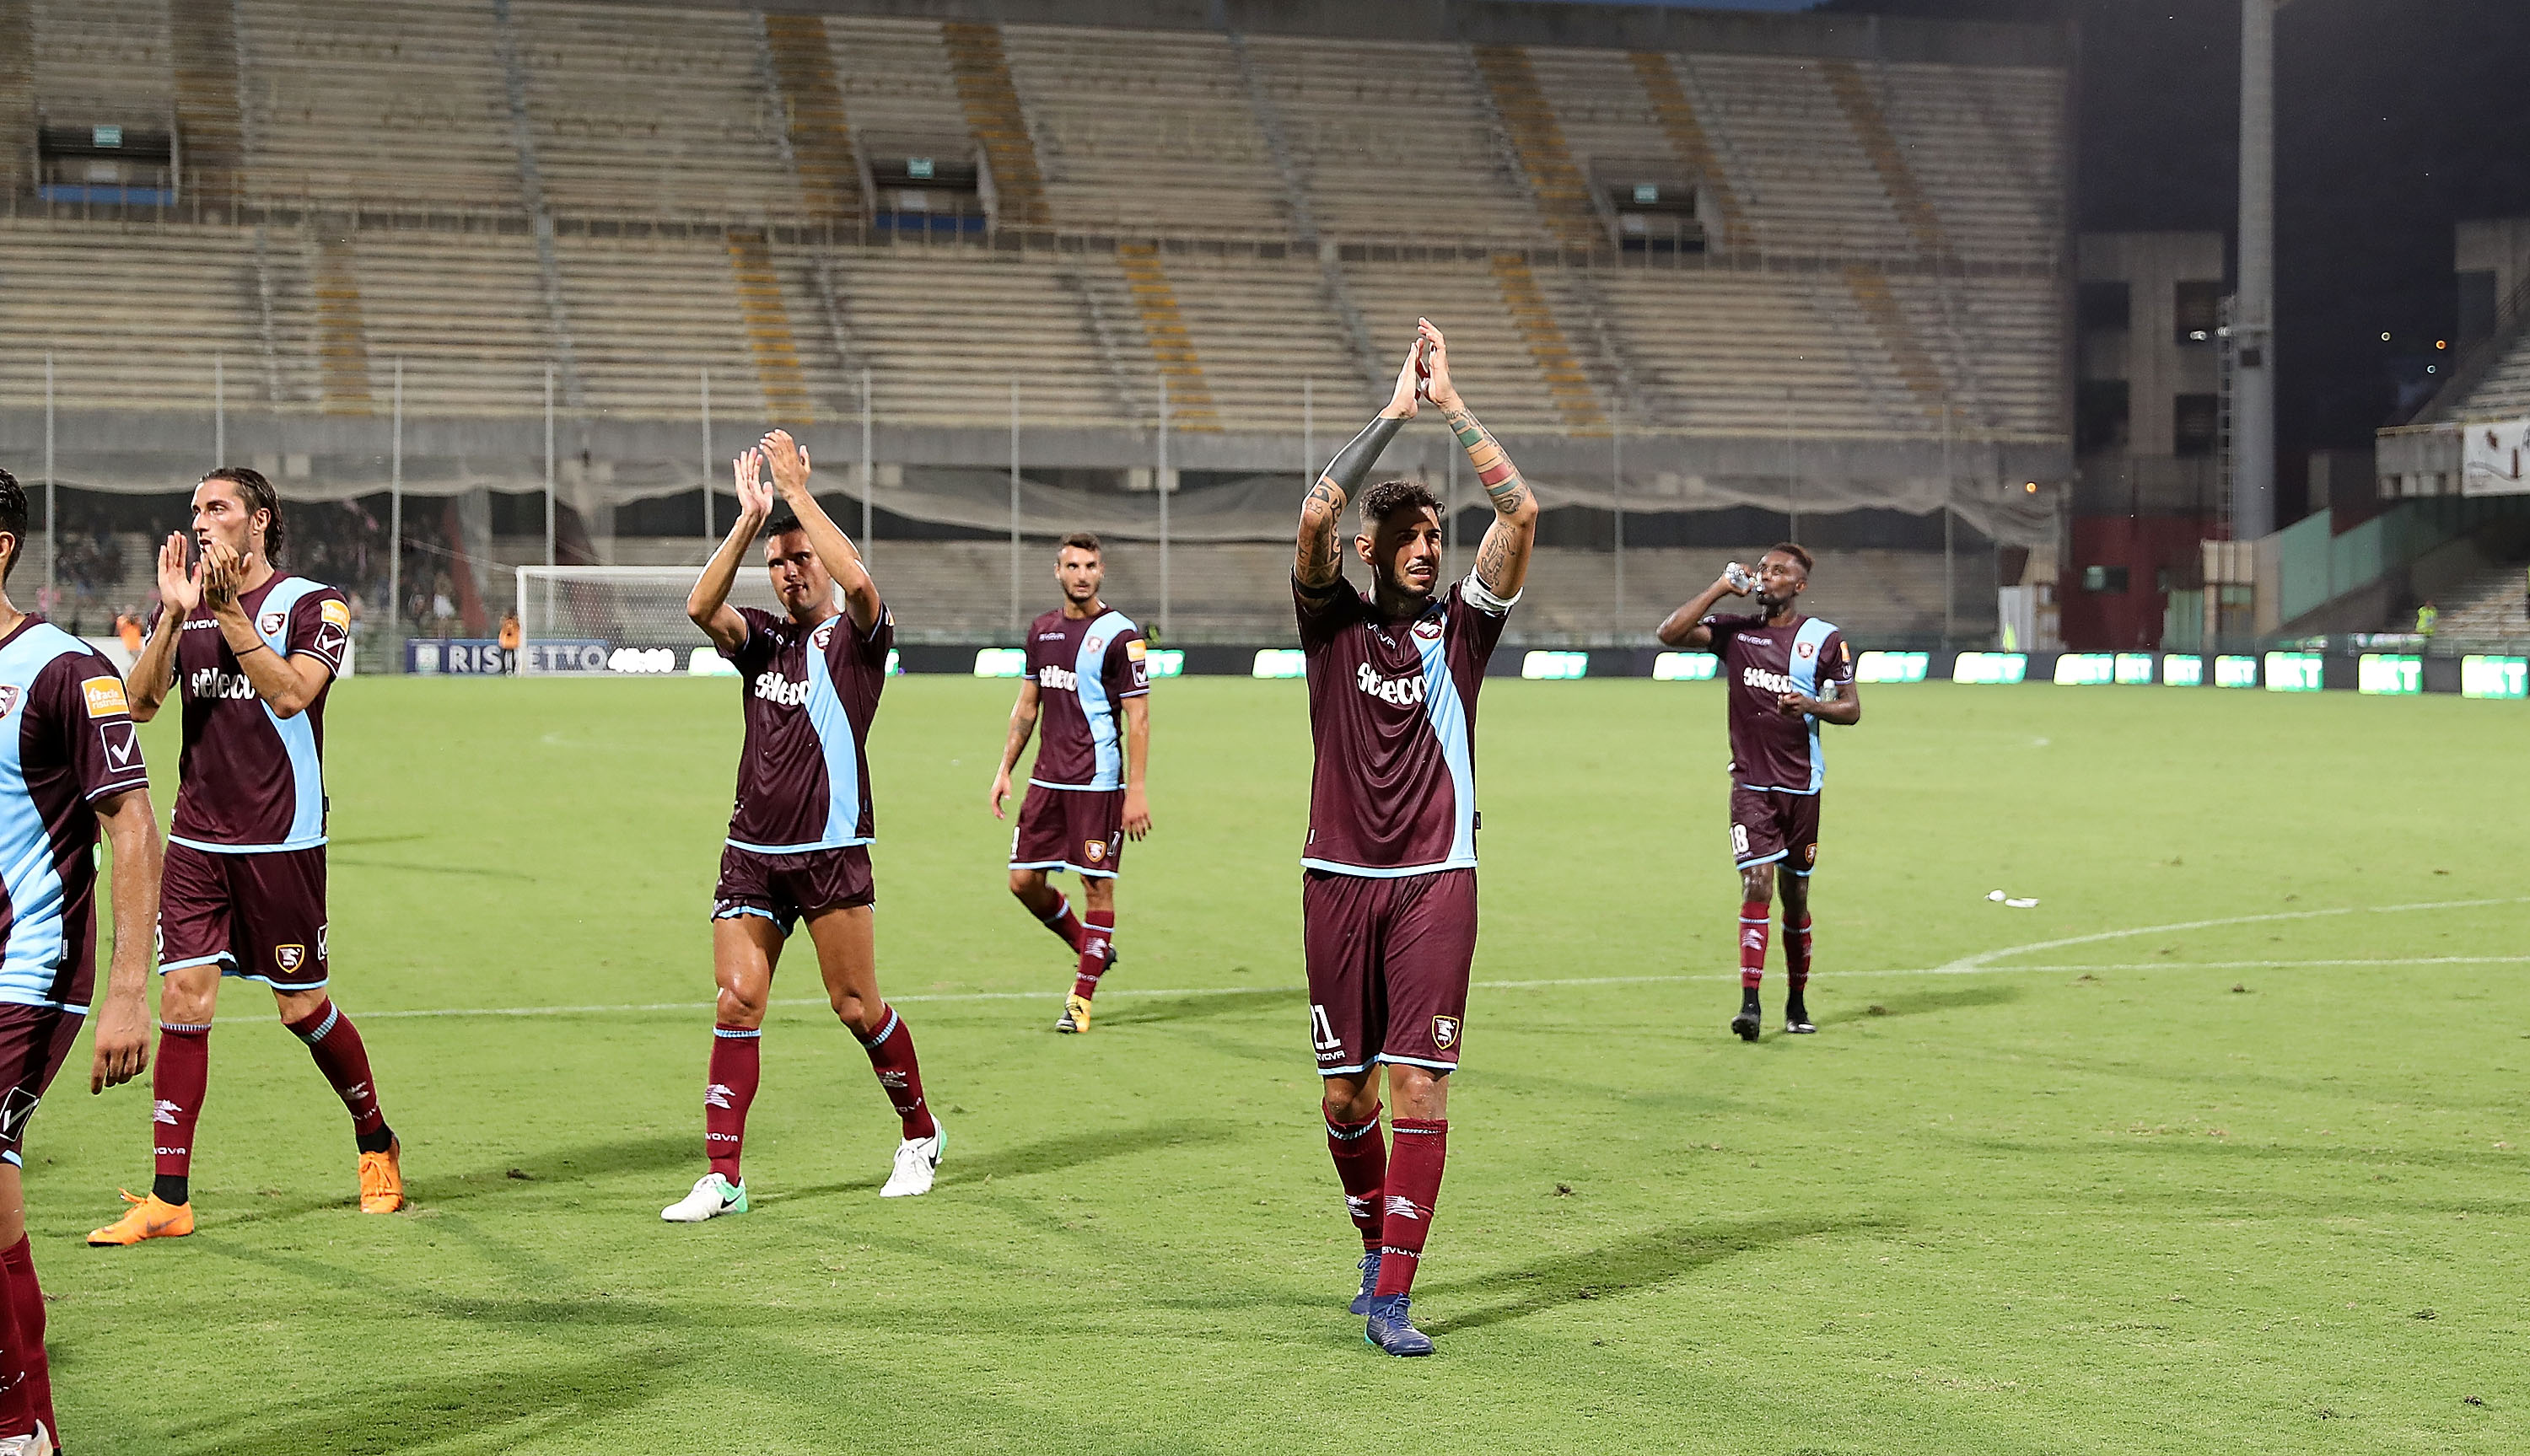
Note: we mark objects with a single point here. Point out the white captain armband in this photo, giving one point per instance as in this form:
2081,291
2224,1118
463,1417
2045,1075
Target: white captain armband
1480,597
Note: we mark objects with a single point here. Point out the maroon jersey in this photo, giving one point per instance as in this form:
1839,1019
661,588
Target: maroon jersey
66,740
1759,663
810,695
253,780
1084,667
1393,713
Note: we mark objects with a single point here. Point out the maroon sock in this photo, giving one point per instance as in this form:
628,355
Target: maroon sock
25,1300
735,1067
1752,942
1101,932
891,1054
18,1413
1414,1187
1361,1165
1796,954
183,1073
336,1044
1067,927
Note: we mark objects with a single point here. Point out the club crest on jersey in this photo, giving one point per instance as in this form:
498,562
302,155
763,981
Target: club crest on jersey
824,634
1804,649
290,957
8,699
1092,645
1445,1032
1428,628
1097,852
270,622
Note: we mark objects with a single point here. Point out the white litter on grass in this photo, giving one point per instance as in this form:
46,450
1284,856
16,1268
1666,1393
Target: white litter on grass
1996,896
2028,904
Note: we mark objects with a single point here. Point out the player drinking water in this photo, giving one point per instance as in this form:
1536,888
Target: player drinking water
798,839
1786,674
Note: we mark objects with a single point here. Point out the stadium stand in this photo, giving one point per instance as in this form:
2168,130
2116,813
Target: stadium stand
631,194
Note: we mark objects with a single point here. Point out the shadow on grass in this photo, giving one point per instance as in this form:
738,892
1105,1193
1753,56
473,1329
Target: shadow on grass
425,1188
1153,1011
1928,1002
531,1401
1049,1156
1642,1261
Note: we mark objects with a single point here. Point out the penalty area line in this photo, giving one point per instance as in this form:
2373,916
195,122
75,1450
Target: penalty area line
1955,968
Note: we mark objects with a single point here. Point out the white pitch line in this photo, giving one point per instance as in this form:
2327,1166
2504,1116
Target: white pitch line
1986,957
1955,968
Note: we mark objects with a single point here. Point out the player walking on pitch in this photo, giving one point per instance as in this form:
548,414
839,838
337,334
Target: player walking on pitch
798,839
69,761
1085,664
1786,674
1388,893
252,653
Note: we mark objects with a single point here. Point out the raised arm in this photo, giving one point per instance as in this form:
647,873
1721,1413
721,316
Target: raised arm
122,1029
1685,626
842,560
287,685
180,591
1022,723
708,603
1318,563
1502,561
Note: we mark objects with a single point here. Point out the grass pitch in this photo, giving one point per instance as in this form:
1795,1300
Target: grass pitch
2215,1149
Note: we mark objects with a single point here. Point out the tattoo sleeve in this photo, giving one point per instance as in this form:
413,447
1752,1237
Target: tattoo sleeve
1493,471
1323,509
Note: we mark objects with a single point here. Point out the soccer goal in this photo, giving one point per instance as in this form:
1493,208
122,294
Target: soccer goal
622,620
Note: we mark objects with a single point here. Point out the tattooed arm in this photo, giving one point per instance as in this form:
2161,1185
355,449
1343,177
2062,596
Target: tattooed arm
1501,562
1322,512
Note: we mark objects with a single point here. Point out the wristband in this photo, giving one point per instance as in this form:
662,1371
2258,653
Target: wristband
259,646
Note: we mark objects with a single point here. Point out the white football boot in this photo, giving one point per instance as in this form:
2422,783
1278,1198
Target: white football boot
713,1196
917,1161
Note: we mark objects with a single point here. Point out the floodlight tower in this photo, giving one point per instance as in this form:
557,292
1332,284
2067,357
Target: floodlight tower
2253,307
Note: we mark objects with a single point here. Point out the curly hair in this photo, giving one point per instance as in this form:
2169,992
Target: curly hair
1389,497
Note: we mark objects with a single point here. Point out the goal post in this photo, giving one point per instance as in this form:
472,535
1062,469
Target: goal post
621,620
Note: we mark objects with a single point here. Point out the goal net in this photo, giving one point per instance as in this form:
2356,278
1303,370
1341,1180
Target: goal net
622,620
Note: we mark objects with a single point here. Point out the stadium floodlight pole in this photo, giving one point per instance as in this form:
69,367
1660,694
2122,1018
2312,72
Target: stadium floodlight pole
2254,371
869,472
1792,474
708,533
1160,480
549,487
52,538
1309,437
1616,486
395,510
1949,581
1015,506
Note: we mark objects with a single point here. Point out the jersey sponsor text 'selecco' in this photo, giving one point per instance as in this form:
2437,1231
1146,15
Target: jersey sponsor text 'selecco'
1086,667
1393,714
254,782
810,695
1769,749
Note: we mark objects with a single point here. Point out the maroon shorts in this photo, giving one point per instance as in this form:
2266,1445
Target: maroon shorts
35,1042
781,887
1080,829
260,916
1388,963
1768,825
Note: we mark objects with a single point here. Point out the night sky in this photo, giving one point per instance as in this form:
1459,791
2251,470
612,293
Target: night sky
2394,119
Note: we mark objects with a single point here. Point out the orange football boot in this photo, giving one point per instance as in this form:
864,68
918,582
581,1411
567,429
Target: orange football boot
149,1217
382,1179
